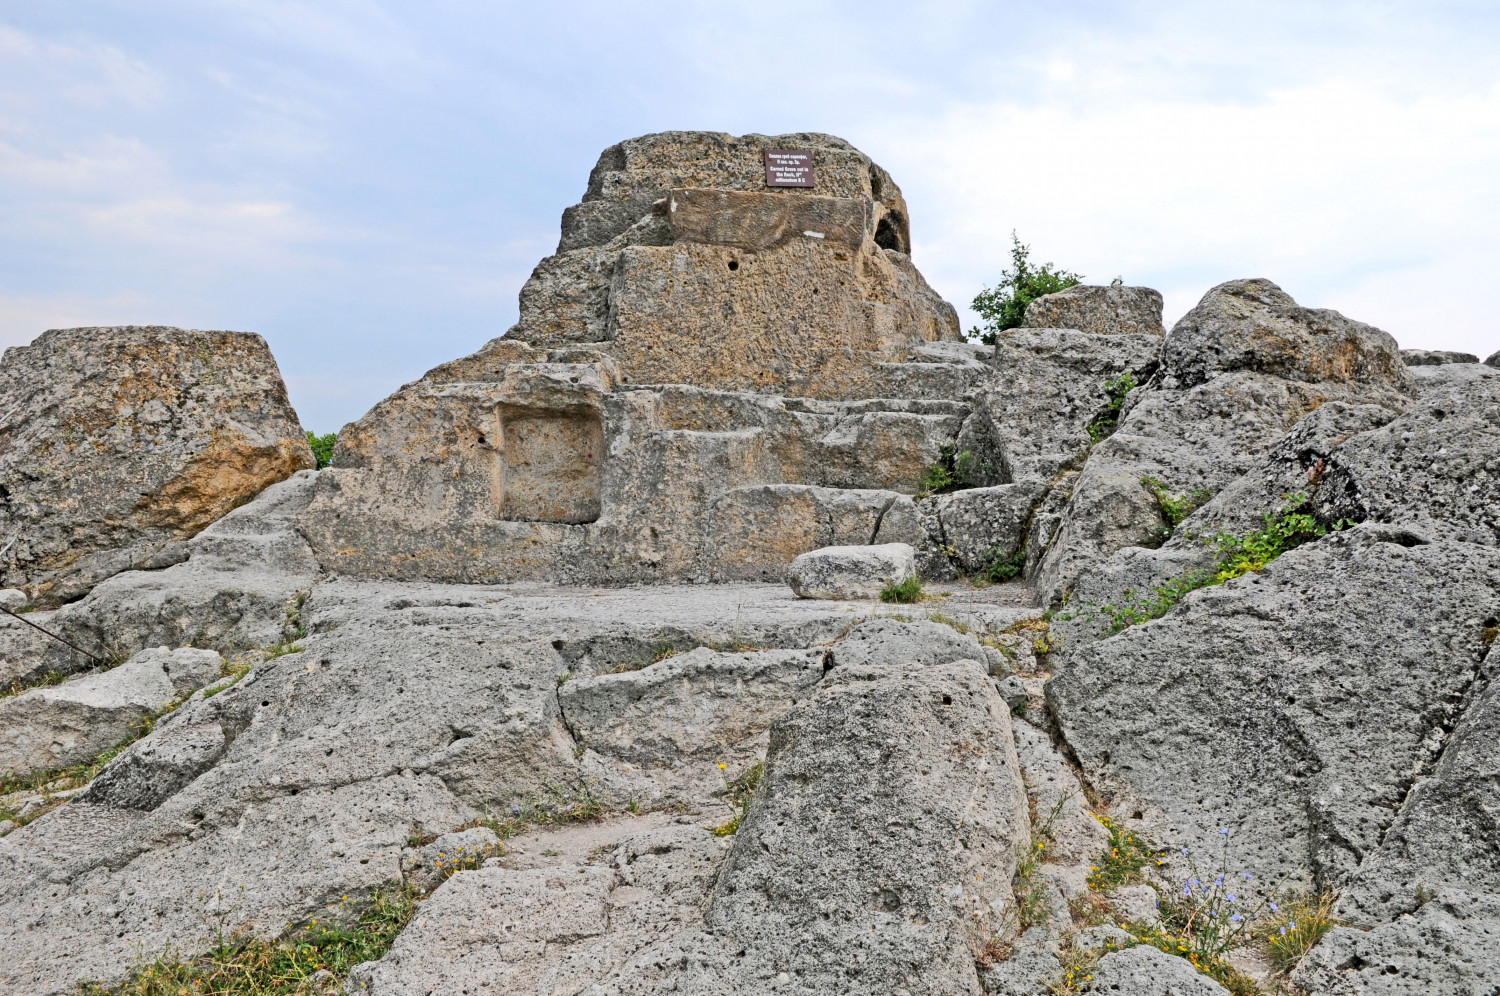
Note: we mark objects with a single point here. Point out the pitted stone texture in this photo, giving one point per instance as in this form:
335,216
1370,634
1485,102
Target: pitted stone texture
1436,469
238,589
1110,310
1200,439
118,443
897,643
75,721
154,769
890,813
1145,971
1493,360
1445,835
1137,904
858,572
1290,474
525,926
1449,945
1291,706
983,526
1435,357
1255,325
658,734
1052,383
1076,836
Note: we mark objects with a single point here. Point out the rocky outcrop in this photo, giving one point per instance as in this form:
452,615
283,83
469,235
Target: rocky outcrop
702,362
1109,310
1237,372
1435,357
117,444
614,754
58,727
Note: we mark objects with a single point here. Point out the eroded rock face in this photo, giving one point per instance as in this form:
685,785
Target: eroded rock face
116,444
1435,357
834,883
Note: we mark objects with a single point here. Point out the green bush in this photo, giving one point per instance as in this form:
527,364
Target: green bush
952,472
906,592
1004,306
322,447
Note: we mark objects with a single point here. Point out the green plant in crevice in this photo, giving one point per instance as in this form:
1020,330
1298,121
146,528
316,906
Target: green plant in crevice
313,958
1237,556
739,791
1115,389
1174,508
1007,568
1298,923
322,447
905,593
1003,306
952,472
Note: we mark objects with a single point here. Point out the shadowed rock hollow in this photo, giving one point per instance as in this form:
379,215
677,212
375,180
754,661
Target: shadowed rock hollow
532,651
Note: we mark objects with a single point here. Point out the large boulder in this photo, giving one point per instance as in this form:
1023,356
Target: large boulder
851,571
877,855
1108,310
1289,707
116,444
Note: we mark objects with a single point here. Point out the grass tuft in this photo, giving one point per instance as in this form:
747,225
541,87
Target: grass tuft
905,593
313,959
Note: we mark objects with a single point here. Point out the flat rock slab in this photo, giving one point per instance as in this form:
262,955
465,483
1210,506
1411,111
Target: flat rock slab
851,572
67,724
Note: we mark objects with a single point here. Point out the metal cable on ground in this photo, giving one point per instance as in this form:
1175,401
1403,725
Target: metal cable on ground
14,615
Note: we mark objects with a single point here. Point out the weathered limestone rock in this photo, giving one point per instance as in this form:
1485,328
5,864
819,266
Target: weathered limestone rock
1145,971
239,587
1493,360
118,443
700,354
1448,945
851,571
525,925
152,770
1289,706
1099,310
983,526
838,880
1054,383
1237,372
1255,325
1435,357
658,734
66,724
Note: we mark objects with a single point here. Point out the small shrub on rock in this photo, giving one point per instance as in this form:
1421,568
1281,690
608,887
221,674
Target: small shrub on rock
1295,926
1003,306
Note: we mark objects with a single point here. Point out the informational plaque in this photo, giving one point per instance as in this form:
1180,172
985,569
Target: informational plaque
789,168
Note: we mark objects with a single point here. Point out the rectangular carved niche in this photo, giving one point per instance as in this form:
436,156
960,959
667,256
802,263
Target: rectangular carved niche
550,465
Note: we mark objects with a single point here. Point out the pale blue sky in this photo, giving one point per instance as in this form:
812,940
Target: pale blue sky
367,184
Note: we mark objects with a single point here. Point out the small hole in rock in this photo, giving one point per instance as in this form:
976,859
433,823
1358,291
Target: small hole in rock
947,700
734,264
